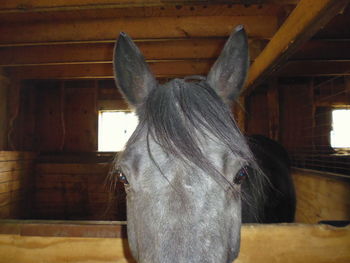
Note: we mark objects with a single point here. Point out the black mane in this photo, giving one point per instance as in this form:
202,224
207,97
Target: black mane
179,111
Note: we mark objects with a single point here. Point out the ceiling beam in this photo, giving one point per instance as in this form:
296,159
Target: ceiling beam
315,68
304,21
173,11
103,52
146,28
63,5
162,69
324,49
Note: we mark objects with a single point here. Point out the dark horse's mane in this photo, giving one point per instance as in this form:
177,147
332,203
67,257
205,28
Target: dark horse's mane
179,111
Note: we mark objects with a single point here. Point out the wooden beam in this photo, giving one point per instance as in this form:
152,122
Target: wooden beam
315,68
63,5
96,12
305,20
103,52
138,28
324,49
104,70
97,242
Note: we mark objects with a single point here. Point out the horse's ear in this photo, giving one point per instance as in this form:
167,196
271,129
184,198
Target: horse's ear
229,72
132,74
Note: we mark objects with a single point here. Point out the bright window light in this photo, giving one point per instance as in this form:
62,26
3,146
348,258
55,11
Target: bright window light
340,134
115,129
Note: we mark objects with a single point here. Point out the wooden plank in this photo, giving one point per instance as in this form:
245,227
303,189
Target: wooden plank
138,28
49,116
273,109
315,68
296,128
93,71
257,114
11,197
10,211
16,165
10,186
286,243
79,188
72,177
54,168
305,20
327,49
13,175
320,198
62,5
27,121
13,156
70,249
4,85
80,117
103,52
95,12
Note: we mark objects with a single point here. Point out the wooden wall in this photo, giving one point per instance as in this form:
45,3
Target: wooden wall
102,242
320,197
82,191
257,120
16,174
61,116
4,84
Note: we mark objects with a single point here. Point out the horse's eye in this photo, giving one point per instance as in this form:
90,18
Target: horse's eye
240,176
121,177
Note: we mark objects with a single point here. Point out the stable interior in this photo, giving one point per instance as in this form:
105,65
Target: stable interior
56,79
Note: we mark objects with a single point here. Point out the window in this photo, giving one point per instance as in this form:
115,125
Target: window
340,134
114,129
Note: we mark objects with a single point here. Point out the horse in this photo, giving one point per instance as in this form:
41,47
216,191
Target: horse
184,165
276,203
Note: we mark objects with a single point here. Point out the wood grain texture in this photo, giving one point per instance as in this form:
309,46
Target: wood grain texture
292,243
194,48
15,182
21,6
164,68
4,85
138,28
320,198
77,191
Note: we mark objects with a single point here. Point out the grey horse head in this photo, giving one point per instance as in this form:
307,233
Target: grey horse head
183,164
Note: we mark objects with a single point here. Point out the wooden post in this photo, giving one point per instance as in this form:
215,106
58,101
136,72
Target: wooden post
273,110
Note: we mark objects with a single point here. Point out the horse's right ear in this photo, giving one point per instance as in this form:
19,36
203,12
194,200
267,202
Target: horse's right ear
132,74
229,72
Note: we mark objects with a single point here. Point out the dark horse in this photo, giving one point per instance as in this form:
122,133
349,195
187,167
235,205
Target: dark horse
275,201
184,164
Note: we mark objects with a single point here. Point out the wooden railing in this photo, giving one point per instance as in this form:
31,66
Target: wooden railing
97,242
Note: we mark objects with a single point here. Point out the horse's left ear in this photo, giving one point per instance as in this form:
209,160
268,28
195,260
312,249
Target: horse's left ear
229,72
132,74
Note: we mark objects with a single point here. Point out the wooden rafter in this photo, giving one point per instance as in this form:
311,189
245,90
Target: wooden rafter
142,28
181,49
305,20
315,68
162,69
14,6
